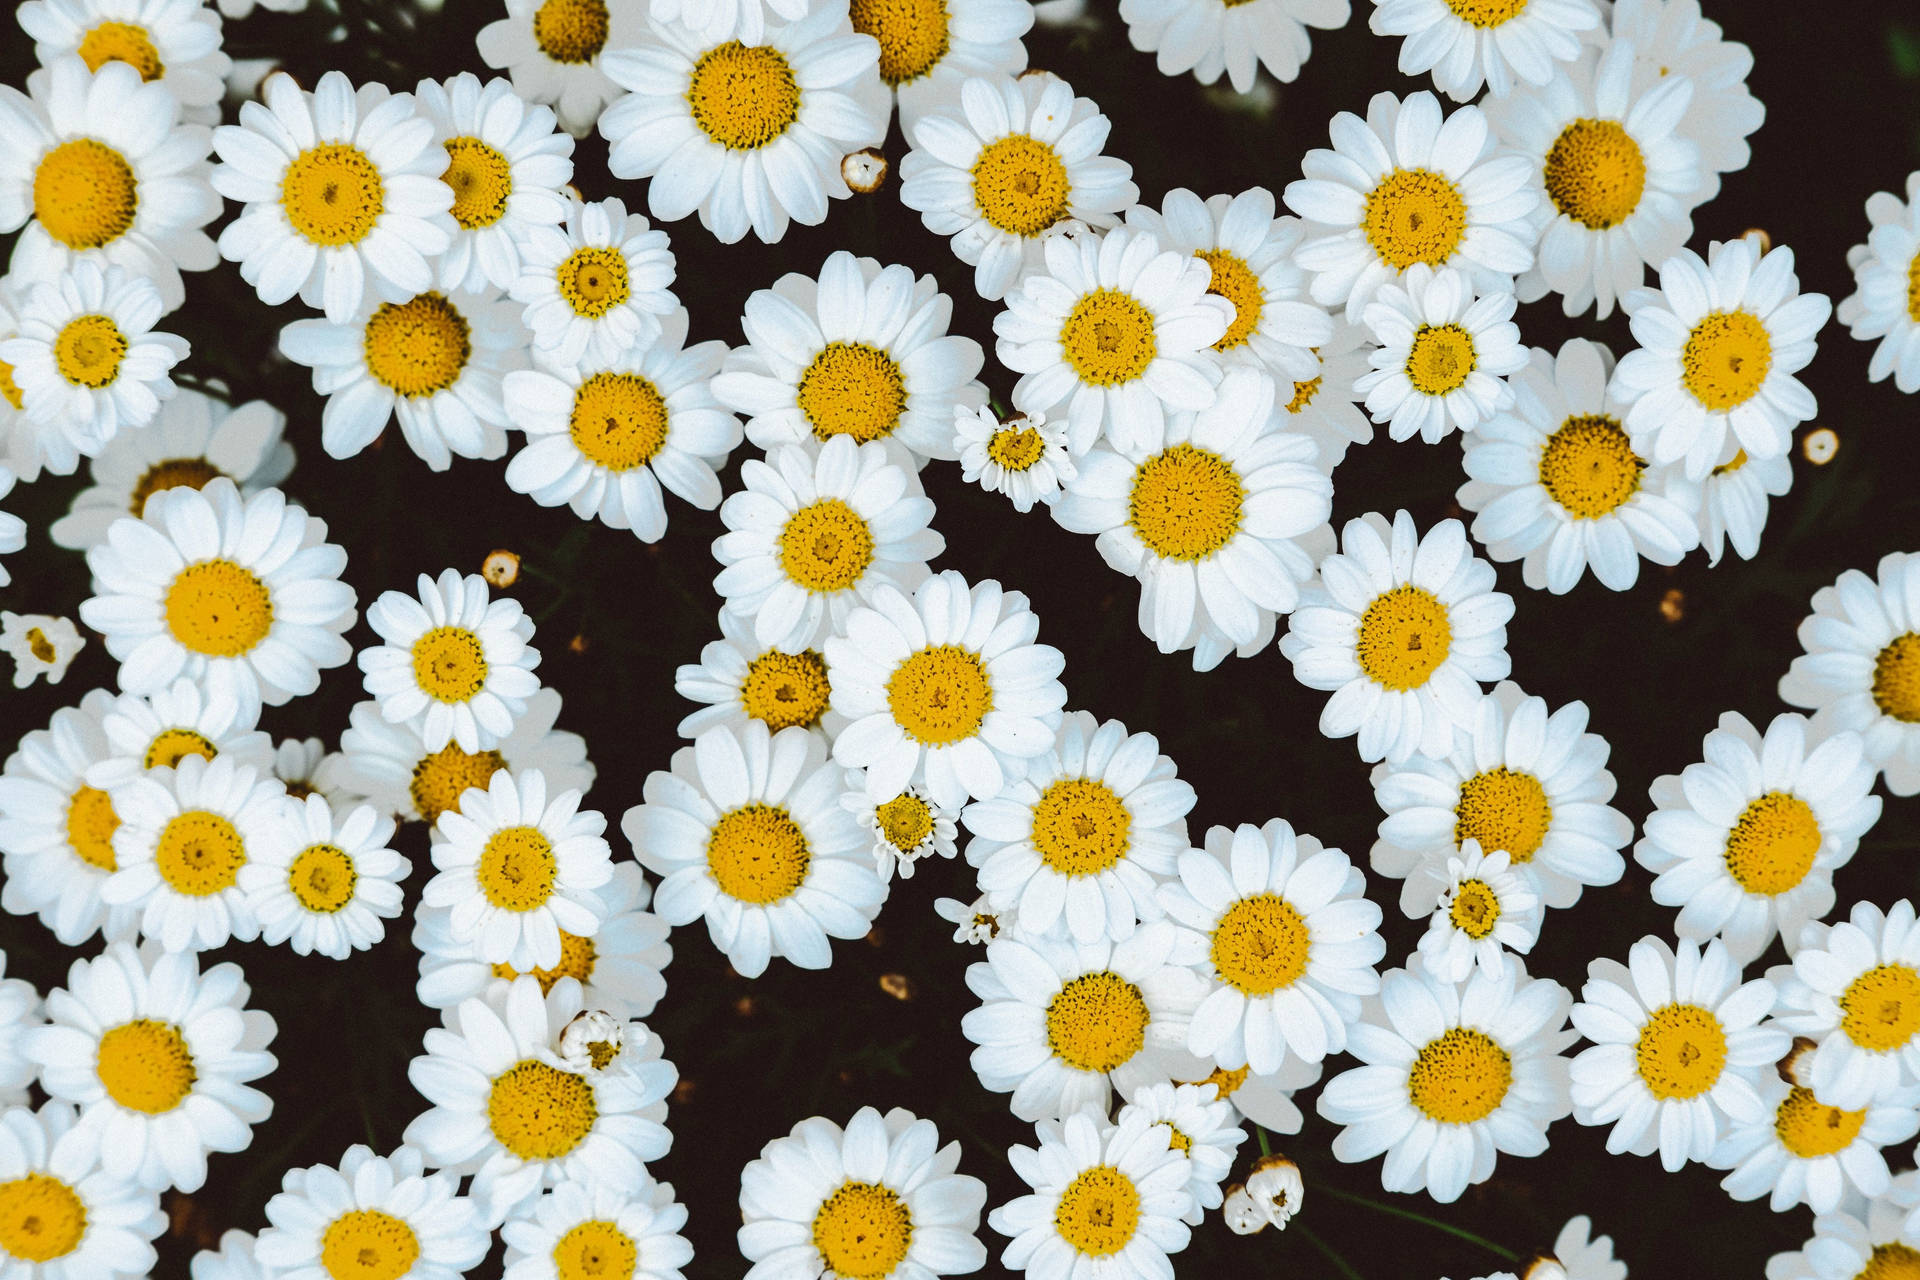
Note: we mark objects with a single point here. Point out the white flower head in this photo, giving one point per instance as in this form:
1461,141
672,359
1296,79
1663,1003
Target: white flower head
40,645
1444,354
385,1213
1881,306
1802,1150
324,881
1489,908
1201,1128
1674,38
738,679
597,288
1276,1188
904,828
1855,989
158,730
975,922
554,51
579,1224
168,42
1026,457
64,1214
928,52
1503,43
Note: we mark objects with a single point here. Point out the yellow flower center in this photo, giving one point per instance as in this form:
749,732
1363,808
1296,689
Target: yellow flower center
540,1112
121,42
1460,1077
1016,448
449,664
1186,503
1261,945
1020,185
852,389
368,1244
571,31
743,96
1733,464
1726,359
1810,1129
1773,844
619,420
1099,1212
1880,1009
9,389
417,348
481,179
171,473
1097,1021
593,280
85,194
826,546
1892,1261
322,878
332,194
1440,360
170,746
1588,468
1080,827
1403,638
91,823
41,1218
1415,215
1595,173
758,854
1234,281
1475,910
1896,678
595,1250
1487,13
1225,1082
786,689
1178,1141
199,853
88,349
39,646
145,1066
1913,289
516,869
912,34
442,777
1504,811
576,961
940,694
1680,1052
862,1231
1108,338
905,821
1303,394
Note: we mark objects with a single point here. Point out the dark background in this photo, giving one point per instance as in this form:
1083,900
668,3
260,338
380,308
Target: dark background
1842,88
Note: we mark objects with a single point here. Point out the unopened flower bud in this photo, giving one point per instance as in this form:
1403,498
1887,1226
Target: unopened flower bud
864,171
591,1041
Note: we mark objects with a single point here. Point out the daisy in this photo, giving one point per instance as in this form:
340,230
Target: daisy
1453,1076
1720,341
1672,38
580,1227
1733,503
1800,1150
323,882
193,439
597,288
157,1055
1208,37
371,1215
1503,42
61,1215
98,168
1855,988
1861,665
1005,165
506,167
739,680
506,1110
1872,1239
1061,1024
904,827
1745,841
173,42
1586,1257
928,52
877,1199
305,767
1025,457
1488,908
1678,1049
39,644
747,129
976,924
813,531
1201,1128
1402,629
1325,407
243,595
1555,482
553,51
1110,334
863,352
1517,779
1881,305
747,830
1077,845
158,730
1443,356
1406,186
948,689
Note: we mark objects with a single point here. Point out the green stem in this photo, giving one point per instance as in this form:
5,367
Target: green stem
1395,1211
1340,1264
1266,1147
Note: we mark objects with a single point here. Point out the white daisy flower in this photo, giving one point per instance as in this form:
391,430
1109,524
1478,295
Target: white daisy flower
39,644
1325,407
158,730
747,830
243,595
746,128
1672,38
1202,1130
1443,356
1851,1242
1882,305
1487,909
1076,846
1208,37
371,1215
878,1199
1061,1024
1005,167
863,351
580,1226
323,882
234,1260
174,42
157,1056
98,168
948,689
1402,629
904,827
739,680
1502,43
1407,186
596,289
976,923
1855,989
1025,457
1586,1257
19,1013
1554,481
927,52
1733,503
1678,1049
341,192
1112,333
1801,1150
193,439
1453,1076
506,1109
61,1214
553,51
1861,665
1720,341
305,767
815,531
1745,841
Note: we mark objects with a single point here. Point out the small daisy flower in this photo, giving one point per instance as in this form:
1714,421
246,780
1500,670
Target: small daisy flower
1720,341
1407,186
1852,1242
1208,37
878,1199
597,288
863,351
1025,457
1202,1130
1443,357
1860,668
927,52
1746,840
39,644
739,680
553,52
904,827
1733,503
746,128
242,594
580,1226
1005,166
305,767
322,882
746,830
1499,42
157,1055
948,689
1678,1049
814,531
1800,1150
340,191
1488,908
1671,38
1453,1076
1882,305
1402,629
977,924
60,1213
1585,1256
374,1215
158,730
1855,988
173,42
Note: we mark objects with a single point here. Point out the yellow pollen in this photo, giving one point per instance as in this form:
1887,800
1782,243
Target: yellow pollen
862,1231
1595,173
170,746
786,689
1415,215
1505,811
88,349
905,821
441,778
1487,13
199,853
571,31
9,389
1020,185
1404,637
619,420
481,179
758,854
1080,827
1913,289
1880,1009
826,546
171,473
940,694
1186,503
368,1244
1896,678
1178,1141
1475,910
121,42
1303,394
1460,1077
912,34
1226,1083
1099,1212
1810,1129
1588,468
1234,281
39,646
576,962
1016,448
1261,945
1680,1052
516,869
322,878
85,194
145,1066
218,608
595,1250
417,348
1773,844
449,664
852,389
1892,1261
540,1112
1097,1021
1108,338
332,194
91,823
1441,359
1733,464
1726,358
743,96
593,280
41,1218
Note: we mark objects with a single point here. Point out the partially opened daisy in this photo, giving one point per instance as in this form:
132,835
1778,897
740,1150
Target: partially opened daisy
1861,665
746,127
1800,1150
1855,989
879,1199
1443,357
371,1216
61,1215
1673,38
948,689
1325,406
553,48
1733,503
40,644
739,679
928,51
747,831
157,1055
1488,908
341,192
583,1226
1201,1124
159,730
1499,42
1882,305
862,351
1745,841
323,881
1025,457
1238,39
596,288
1678,1049
171,42
1402,629
1854,1241
1005,166
903,828
1453,1076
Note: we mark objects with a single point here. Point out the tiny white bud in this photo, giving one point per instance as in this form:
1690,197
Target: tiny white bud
864,171
591,1041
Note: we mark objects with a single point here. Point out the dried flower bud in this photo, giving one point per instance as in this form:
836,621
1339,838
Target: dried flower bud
1819,445
864,171
501,568
1277,1189
1243,1216
591,1041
